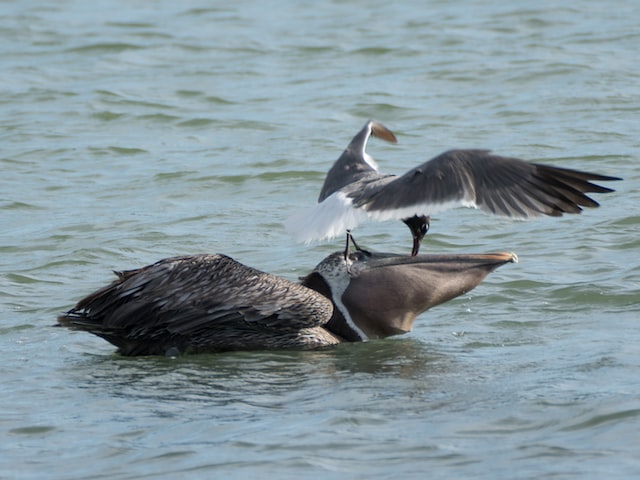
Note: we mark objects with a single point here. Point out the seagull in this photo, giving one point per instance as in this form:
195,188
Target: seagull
354,190
213,303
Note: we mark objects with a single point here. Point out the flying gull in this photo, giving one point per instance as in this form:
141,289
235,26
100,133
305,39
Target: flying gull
354,190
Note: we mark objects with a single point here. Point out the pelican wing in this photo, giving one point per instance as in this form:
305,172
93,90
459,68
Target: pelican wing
198,296
477,178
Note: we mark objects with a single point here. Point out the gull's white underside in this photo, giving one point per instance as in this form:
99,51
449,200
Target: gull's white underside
336,214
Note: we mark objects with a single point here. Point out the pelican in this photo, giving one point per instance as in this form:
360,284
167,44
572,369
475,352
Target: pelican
212,303
354,190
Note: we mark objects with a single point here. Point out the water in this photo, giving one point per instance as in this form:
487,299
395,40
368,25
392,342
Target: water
133,132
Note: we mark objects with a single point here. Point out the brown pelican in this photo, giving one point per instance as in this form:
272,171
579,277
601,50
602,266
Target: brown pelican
355,191
211,303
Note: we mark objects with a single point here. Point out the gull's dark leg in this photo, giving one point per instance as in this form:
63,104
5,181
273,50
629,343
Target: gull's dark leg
357,247
419,226
346,248
350,240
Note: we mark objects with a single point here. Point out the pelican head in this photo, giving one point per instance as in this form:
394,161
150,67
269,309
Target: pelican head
377,295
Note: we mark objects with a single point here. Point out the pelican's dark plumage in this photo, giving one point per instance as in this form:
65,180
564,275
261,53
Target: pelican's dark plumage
212,303
355,191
